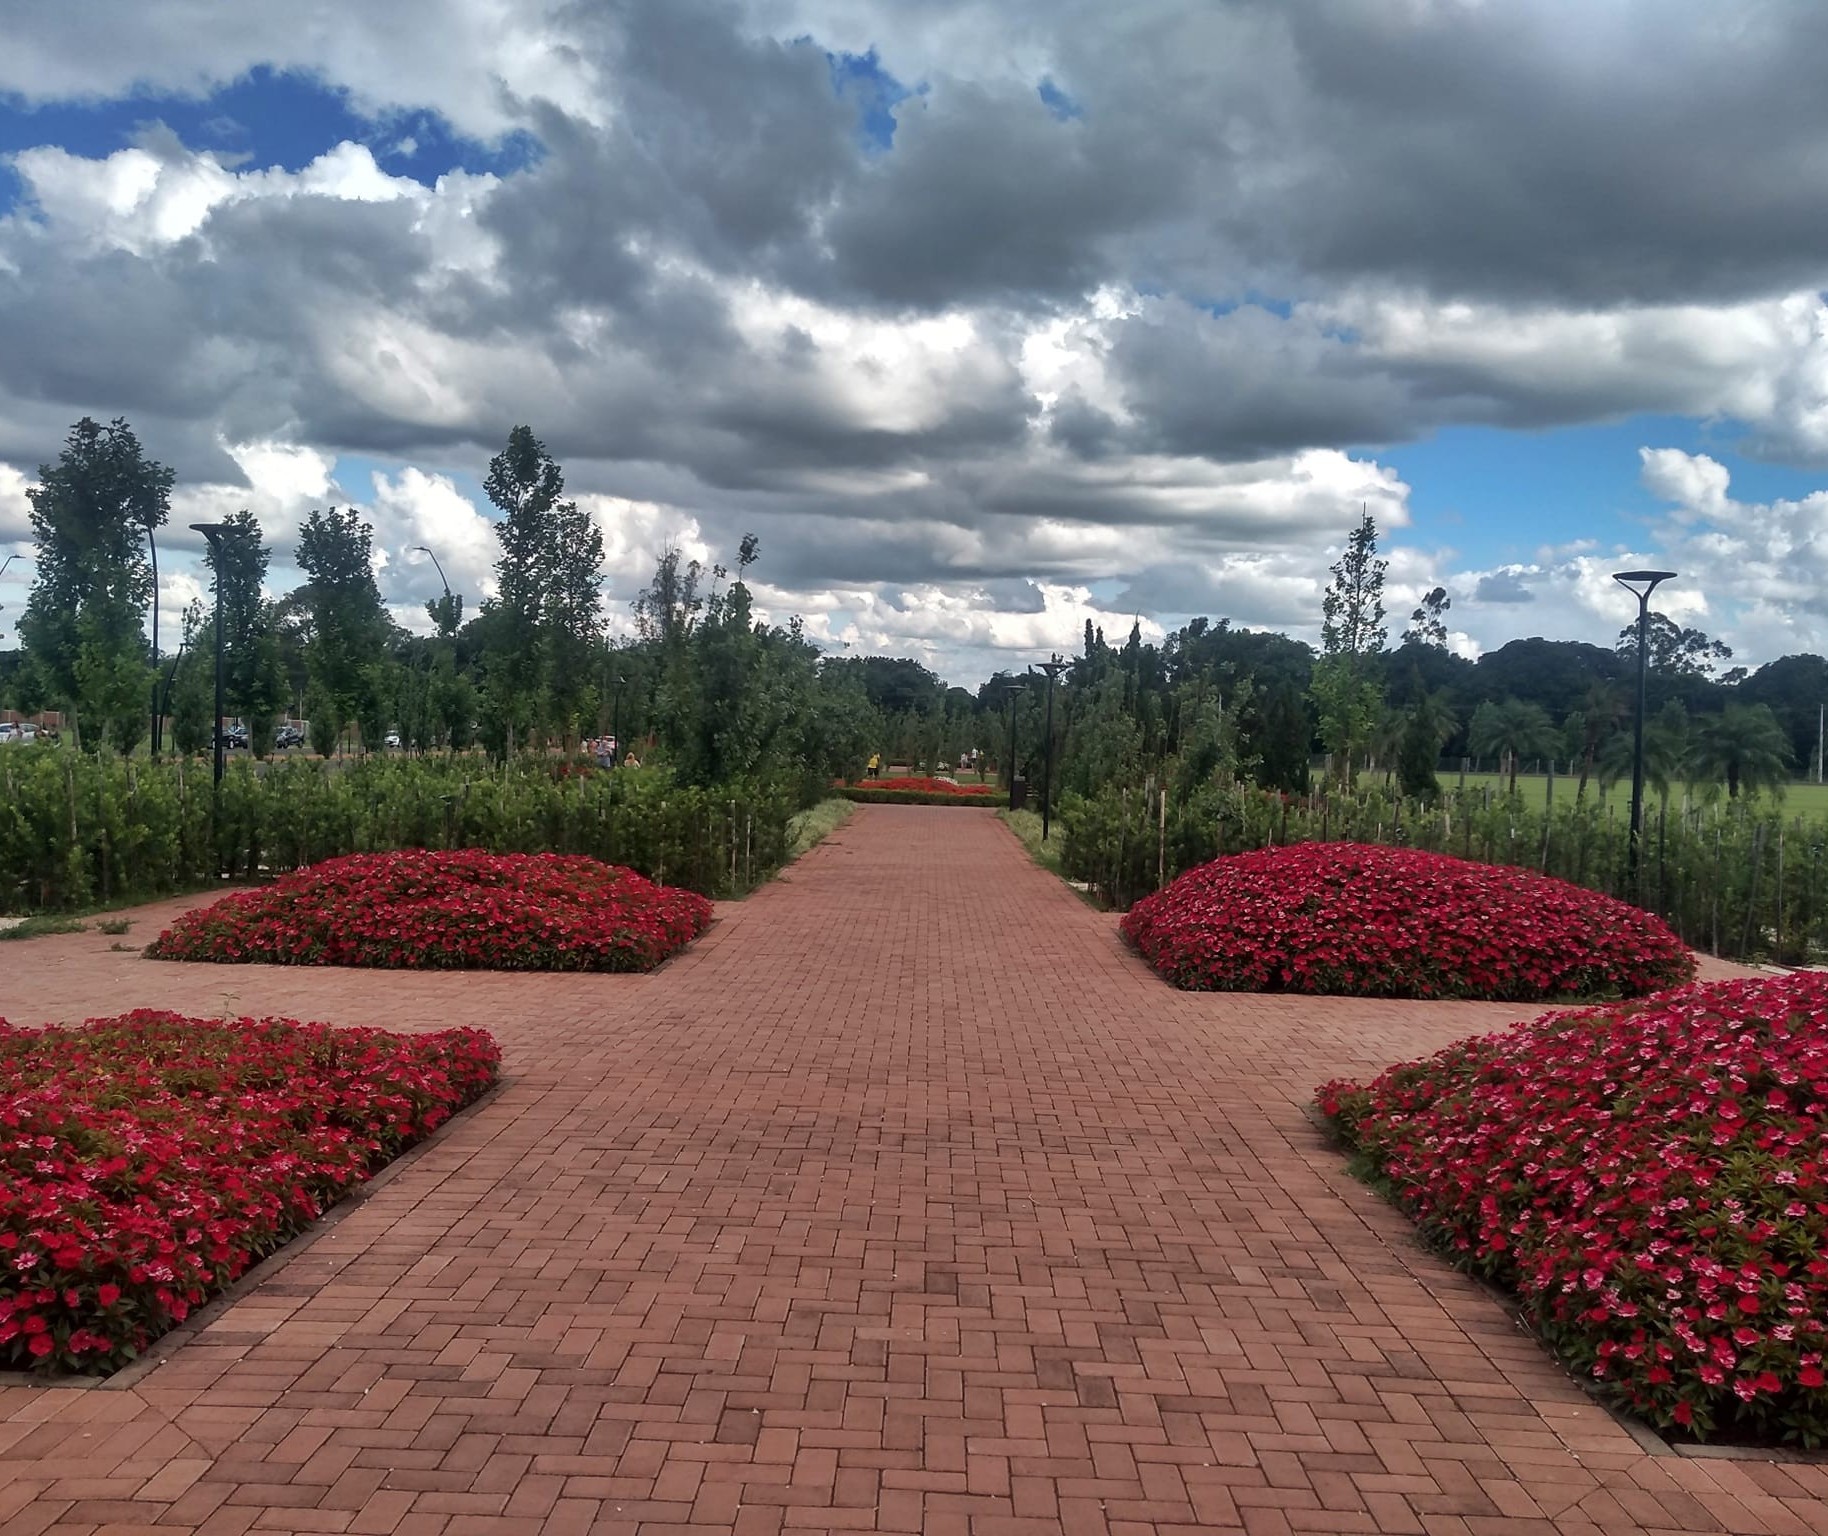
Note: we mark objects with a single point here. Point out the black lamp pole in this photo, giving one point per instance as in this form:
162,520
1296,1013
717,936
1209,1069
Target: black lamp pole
158,733
447,585
1012,690
213,532
1053,668
615,720
1640,584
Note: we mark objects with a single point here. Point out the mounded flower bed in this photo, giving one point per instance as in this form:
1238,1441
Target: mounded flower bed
1651,1179
147,1161
913,791
463,909
1368,921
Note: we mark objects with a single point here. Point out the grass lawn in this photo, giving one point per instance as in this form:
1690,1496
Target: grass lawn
1810,800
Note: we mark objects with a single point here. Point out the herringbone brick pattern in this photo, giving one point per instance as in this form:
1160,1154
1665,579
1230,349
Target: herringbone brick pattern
907,1201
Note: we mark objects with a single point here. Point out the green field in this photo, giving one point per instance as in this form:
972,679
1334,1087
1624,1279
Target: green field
1809,800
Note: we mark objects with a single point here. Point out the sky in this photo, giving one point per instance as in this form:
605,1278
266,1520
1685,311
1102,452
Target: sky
986,316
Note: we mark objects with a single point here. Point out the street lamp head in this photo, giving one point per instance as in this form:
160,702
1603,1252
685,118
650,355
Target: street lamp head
1648,580
210,531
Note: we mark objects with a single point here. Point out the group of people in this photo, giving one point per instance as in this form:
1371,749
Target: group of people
603,749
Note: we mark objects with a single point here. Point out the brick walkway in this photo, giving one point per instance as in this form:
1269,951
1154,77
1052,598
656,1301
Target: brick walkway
908,1201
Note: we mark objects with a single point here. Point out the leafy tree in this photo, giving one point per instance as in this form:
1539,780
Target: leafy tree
254,684
1427,723
83,619
349,626
1744,745
1673,650
1511,731
1345,689
1428,623
1283,742
193,685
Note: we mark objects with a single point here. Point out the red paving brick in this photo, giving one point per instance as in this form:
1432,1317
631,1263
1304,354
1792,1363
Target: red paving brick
907,1201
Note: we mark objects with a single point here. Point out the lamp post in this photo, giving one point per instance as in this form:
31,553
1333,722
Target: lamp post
1640,584
1053,668
449,601
152,545
615,720
1012,691
213,532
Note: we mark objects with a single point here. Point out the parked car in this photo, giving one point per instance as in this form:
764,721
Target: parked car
9,732
289,736
393,738
28,733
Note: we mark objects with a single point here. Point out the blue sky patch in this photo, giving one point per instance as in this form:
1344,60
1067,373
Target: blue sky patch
860,79
266,118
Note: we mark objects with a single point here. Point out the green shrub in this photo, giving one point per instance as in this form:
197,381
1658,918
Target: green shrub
79,831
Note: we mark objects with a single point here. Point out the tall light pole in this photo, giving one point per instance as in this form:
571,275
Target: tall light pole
1012,691
615,720
152,545
1640,584
1053,668
213,532
449,607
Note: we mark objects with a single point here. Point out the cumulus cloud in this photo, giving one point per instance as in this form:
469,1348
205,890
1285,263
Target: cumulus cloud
974,364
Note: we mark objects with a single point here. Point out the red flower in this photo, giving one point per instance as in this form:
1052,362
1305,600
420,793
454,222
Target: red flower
147,1161
1372,921
1631,1173
464,909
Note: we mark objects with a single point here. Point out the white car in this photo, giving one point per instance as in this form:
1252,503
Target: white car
393,738
8,732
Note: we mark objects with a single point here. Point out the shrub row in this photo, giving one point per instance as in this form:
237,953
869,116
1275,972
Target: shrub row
76,830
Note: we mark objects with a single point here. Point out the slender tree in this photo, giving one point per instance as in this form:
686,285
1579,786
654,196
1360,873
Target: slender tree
1345,689
348,626
84,620
1428,623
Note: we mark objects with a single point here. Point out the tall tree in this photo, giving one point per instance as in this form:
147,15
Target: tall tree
1345,689
84,620
1673,650
1283,742
1428,624
546,618
349,627
237,563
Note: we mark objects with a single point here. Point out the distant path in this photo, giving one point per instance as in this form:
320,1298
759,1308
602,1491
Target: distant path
908,1201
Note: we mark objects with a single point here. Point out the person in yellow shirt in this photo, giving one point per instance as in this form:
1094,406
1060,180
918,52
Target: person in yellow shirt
875,764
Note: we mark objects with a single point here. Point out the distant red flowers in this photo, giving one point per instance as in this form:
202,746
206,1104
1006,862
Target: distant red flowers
146,1161
463,909
1369,921
1651,1178
912,786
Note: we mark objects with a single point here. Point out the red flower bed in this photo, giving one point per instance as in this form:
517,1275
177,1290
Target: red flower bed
1368,921
1651,1178
147,1161
442,911
912,786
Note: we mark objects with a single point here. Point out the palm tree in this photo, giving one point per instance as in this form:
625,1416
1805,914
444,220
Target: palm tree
1743,744
1666,752
1591,726
1511,731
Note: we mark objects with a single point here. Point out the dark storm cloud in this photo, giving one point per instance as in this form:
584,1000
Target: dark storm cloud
1503,586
